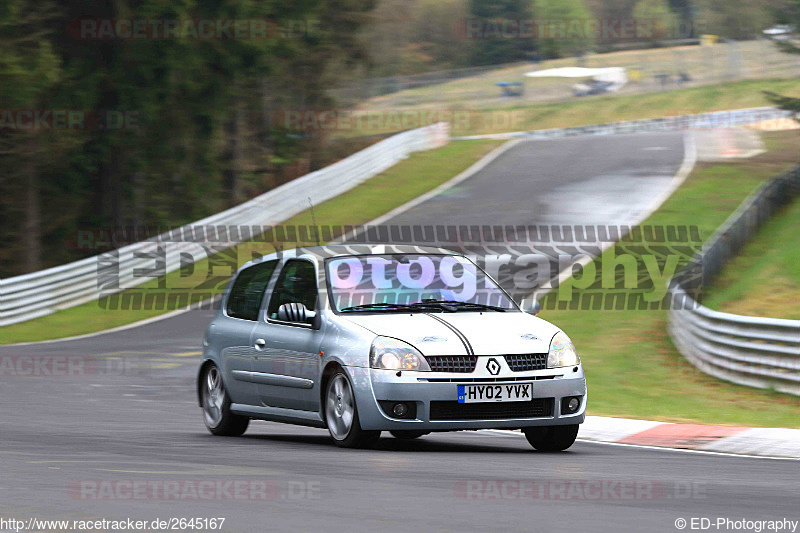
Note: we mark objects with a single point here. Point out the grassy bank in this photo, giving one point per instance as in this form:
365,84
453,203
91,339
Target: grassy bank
631,365
410,178
764,279
580,112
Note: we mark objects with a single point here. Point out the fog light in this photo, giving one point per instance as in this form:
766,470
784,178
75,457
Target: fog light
573,404
400,410
570,405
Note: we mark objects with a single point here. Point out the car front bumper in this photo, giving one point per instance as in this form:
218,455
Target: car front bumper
422,388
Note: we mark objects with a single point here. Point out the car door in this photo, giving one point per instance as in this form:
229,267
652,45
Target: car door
234,330
288,359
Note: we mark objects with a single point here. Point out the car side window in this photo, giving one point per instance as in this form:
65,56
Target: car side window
247,292
296,284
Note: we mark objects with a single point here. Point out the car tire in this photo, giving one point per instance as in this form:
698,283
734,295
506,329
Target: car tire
216,405
341,414
551,438
407,434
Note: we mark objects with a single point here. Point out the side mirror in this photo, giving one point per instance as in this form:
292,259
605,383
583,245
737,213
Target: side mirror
530,306
295,312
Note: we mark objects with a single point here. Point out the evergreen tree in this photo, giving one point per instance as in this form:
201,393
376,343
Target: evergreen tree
200,136
493,47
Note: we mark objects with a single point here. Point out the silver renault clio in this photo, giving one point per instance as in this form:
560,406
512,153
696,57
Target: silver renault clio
361,339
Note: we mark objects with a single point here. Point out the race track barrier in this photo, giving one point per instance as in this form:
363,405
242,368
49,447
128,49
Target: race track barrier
46,291
748,350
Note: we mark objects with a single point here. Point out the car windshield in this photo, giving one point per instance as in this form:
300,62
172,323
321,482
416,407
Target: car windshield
412,282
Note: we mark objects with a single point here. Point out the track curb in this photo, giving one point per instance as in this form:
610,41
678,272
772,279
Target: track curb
782,443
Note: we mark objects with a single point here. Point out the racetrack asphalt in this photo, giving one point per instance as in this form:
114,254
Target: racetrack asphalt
581,180
73,443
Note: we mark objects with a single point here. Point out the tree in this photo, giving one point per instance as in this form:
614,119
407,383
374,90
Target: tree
733,19
406,37
491,46
684,10
568,35
201,139
790,15
29,68
664,22
433,48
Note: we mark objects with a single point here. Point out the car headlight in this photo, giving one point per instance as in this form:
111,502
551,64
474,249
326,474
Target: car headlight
392,354
562,352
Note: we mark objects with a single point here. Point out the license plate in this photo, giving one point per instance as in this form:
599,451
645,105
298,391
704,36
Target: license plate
505,392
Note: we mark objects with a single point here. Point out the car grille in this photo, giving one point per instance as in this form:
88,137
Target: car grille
484,380
450,410
526,361
452,363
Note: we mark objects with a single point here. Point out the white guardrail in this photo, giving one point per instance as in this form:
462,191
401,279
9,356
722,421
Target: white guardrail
748,350
46,291
701,121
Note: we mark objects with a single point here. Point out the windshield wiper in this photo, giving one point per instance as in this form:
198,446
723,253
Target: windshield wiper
420,306
451,306
375,307
455,305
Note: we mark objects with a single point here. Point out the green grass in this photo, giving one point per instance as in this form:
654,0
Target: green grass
587,111
410,178
705,65
632,368
764,279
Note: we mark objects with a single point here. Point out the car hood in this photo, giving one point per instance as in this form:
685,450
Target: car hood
489,333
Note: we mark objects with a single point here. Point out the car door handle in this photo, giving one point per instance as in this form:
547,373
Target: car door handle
260,344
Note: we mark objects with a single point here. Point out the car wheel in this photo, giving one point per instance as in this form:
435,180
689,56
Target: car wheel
551,438
407,434
217,406
341,415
